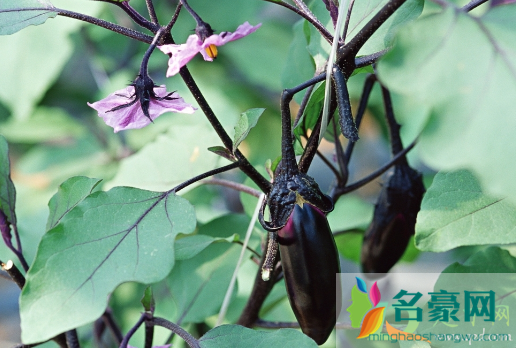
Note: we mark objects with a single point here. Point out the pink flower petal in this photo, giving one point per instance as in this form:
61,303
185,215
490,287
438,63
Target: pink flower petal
182,54
374,294
132,117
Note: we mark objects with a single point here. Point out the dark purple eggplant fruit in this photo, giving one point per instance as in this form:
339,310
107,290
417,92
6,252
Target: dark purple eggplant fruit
310,264
394,220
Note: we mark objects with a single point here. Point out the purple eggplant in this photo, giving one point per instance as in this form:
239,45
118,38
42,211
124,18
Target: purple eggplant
310,264
394,220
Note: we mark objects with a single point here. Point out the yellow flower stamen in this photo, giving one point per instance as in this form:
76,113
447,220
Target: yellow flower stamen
212,51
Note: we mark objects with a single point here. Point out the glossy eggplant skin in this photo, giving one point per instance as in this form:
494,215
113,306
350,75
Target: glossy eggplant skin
394,220
310,264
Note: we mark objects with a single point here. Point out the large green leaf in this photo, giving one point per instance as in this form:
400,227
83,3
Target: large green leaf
238,336
299,65
208,273
364,11
456,212
489,260
462,68
32,59
7,190
109,238
69,194
174,157
45,124
14,15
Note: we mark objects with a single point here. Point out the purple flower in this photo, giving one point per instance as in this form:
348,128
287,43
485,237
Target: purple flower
181,54
137,105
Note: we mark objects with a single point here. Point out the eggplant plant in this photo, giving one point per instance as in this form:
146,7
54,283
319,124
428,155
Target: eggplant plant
118,117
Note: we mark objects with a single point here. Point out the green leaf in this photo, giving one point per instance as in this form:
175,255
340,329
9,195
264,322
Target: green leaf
171,159
223,152
208,273
121,235
18,14
33,59
46,124
247,120
69,194
148,300
299,66
7,190
312,111
462,68
238,336
188,247
350,212
364,11
490,260
455,212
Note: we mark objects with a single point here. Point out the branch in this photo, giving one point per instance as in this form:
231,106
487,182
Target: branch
108,319
189,339
152,12
14,273
244,164
473,4
318,25
233,185
337,192
258,295
135,15
205,175
131,332
104,24
346,54
72,341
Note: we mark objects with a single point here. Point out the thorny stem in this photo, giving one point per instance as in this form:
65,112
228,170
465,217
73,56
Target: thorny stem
152,12
104,24
108,319
19,280
189,339
135,15
339,191
343,166
72,340
325,33
288,156
394,127
363,61
362,106
329,165
205,175
174,17
473,4
313,19
243,163
14,273
131,332
302,107
348,17
346,54
145,61
233,185
149,334
194,14
259,293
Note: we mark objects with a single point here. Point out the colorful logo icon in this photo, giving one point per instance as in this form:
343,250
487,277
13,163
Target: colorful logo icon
366,314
